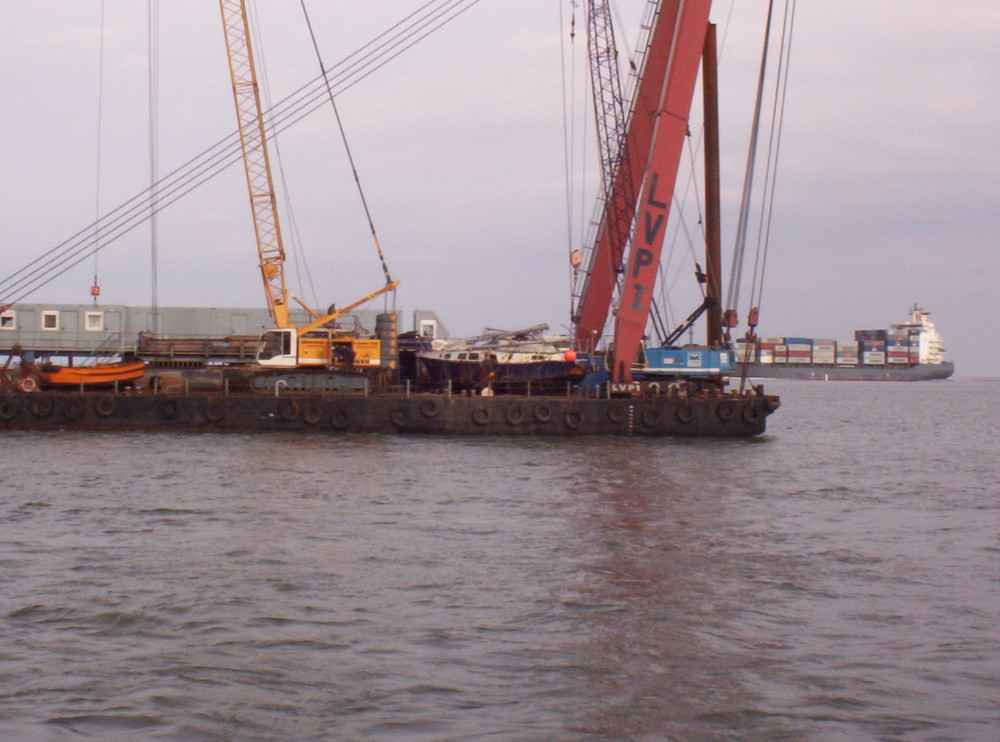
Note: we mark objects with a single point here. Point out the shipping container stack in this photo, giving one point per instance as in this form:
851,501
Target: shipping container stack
897,346
914,339
744,351
799,350
773,350
824,351
873,345
847,352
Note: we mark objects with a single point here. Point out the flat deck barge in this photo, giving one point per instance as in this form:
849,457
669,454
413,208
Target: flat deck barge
721,415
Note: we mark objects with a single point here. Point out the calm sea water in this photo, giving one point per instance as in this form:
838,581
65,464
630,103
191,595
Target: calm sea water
837,579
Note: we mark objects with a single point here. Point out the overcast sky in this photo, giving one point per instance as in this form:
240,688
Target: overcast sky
887,192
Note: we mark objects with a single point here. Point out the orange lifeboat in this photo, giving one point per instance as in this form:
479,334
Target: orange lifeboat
100,374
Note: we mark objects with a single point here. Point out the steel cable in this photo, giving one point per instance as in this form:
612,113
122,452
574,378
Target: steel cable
354,68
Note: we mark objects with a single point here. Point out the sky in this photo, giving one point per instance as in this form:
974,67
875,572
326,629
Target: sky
887,192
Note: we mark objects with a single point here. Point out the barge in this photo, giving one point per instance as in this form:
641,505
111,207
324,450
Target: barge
312,374
652,413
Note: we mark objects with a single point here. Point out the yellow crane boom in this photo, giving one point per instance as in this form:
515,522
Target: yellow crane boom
287,346
255,159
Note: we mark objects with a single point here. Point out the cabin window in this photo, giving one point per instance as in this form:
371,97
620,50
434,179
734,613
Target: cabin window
8,320
462,356
428,328
273,343
473,356
94,321
50,320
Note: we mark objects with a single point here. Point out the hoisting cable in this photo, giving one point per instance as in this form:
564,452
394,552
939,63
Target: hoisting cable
347,147
153,13
771,171
569,138
680,225
226,152
733,295
95,290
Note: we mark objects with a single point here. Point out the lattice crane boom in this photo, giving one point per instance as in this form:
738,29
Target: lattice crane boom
263,203
607,256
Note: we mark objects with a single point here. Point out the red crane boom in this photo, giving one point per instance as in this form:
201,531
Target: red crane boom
595,301
669,129
653,146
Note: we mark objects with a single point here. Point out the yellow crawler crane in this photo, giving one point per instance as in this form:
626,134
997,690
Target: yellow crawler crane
287,346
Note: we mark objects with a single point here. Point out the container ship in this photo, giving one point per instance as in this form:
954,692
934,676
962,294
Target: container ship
908,351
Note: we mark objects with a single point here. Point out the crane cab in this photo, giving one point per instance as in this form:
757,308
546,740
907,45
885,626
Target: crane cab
284,348
279,348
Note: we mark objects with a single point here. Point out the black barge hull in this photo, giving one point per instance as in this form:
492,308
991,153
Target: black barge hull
719,416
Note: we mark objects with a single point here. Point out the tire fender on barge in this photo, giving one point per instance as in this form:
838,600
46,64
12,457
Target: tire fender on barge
439,414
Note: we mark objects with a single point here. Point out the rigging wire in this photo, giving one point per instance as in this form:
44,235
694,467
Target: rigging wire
771,170
733,296
95,290
113,225
343,138
569,129
680,225
153,18
575,164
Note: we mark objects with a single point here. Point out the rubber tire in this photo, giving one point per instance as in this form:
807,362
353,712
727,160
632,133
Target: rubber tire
105,406
74,408
339,418
8,409
514,414
481,415
41,407
651,416
572,419
168,408
617,412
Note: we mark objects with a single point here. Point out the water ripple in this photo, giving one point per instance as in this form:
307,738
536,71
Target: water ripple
826,582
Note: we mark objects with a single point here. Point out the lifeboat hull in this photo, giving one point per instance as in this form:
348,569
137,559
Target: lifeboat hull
102,374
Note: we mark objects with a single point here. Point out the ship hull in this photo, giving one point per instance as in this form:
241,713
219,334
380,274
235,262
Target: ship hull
103,374
822,372
505,377
440,414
